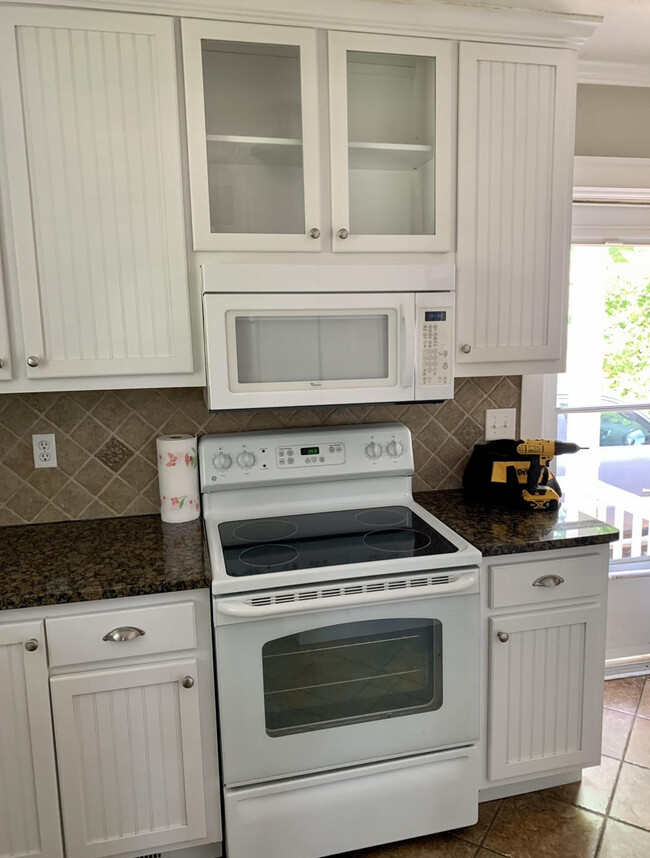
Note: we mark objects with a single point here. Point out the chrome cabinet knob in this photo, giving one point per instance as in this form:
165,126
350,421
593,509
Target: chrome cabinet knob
32,360
504,637
188,682
31,645
466,349
2,363
314,233
123,634
343,233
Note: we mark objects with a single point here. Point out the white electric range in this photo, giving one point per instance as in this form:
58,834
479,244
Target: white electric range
346,636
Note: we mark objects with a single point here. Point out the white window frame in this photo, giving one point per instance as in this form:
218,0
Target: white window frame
611,206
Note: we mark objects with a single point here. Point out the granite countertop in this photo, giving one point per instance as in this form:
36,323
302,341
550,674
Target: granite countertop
499,530
80,561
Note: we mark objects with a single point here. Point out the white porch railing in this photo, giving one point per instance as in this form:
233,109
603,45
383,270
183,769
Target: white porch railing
626,511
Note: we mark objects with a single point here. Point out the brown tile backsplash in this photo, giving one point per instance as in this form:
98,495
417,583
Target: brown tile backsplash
107,454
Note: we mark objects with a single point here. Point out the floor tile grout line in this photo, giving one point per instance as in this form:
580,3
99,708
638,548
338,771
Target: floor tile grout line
618,775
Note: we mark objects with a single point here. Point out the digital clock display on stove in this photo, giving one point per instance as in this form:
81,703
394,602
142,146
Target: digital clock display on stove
309,451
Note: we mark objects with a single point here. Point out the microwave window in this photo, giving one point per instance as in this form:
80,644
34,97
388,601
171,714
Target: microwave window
311,348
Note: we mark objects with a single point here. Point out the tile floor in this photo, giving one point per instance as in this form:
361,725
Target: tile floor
607,815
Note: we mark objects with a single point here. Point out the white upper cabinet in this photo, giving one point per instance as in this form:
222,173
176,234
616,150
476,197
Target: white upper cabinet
257,105
90,114
515,161
253,134
390,129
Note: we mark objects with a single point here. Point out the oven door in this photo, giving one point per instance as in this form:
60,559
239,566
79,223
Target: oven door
308,349
321,677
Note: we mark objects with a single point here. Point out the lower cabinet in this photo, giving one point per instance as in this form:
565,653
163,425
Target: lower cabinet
29,806
546,660
130,766
129,753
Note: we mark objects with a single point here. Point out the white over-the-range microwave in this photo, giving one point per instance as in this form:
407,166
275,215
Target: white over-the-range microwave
296,335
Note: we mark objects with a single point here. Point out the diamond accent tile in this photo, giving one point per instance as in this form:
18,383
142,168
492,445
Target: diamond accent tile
114,454
106,441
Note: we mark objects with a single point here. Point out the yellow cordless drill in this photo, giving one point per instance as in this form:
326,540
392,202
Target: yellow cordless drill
538,494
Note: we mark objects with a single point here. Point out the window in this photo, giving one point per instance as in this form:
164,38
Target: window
603,399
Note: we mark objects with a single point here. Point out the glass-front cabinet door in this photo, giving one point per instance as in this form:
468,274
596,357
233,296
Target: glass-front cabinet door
252,113
390,105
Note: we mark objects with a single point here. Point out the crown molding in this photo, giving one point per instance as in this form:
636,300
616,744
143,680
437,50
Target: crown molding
610,73
432,18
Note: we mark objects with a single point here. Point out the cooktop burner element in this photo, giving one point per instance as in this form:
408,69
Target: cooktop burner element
397,540
323,539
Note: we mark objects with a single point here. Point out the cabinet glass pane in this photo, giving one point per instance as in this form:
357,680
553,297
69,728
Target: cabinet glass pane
391,124
330,348
353,672
253,123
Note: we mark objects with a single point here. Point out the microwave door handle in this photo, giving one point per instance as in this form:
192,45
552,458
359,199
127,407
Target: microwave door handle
406,351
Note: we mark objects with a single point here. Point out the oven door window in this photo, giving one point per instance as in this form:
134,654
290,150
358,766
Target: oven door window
350,673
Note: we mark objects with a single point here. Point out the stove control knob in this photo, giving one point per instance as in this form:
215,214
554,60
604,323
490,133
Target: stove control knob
222,461
246,459
373,450
394,449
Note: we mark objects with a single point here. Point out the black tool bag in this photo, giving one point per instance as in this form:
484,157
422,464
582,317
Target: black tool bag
496,473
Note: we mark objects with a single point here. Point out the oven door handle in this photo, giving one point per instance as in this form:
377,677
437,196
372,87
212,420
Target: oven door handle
243,608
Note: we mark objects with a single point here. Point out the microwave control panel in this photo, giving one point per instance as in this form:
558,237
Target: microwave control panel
435,341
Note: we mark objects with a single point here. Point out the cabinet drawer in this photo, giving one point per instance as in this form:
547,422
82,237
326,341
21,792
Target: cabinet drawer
539,581
80,639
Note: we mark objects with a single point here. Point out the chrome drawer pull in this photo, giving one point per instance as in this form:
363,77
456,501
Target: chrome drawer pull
548,581
188,682
123,633
31,645
504,637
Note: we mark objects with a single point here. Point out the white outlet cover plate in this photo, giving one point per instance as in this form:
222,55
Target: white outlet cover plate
500,423
44,447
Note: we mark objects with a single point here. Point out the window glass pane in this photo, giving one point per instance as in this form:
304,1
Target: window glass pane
331,348
254,137
351,673
608,368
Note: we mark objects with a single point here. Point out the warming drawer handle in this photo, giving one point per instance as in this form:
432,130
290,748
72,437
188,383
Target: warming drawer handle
239,608
123,634
548,581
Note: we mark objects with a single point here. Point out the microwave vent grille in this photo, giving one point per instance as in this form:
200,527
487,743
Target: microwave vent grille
343,590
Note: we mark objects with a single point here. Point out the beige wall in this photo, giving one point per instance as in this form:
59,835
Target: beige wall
106,442
613,121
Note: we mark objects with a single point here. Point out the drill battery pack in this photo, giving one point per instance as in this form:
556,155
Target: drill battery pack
497,474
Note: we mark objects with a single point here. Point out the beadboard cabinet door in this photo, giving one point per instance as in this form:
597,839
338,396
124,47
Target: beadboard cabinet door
29,805
129,756
546,678
90,115
515,166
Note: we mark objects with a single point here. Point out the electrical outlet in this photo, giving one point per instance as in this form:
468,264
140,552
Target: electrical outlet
500,423
44,447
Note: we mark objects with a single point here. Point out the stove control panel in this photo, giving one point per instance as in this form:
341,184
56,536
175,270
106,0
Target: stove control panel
304,455
295,456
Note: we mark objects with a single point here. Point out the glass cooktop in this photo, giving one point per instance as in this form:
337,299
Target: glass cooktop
261,545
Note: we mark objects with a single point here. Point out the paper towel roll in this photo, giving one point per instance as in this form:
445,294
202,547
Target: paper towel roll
178,477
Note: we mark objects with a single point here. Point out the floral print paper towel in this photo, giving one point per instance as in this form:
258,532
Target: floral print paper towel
178,477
